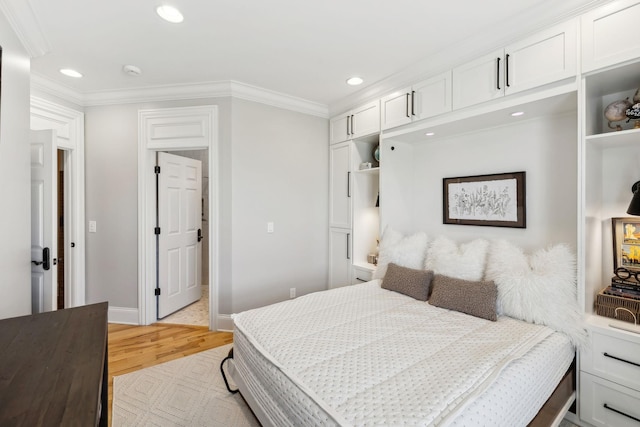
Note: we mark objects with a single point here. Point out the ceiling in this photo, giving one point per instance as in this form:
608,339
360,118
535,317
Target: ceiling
300,48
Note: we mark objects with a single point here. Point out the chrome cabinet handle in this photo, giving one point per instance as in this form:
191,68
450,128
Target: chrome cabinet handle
348,254
407,105
353,127
413,102
348,184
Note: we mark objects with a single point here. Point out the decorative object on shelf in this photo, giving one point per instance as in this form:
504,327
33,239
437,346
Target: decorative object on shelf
636,96
376,153
616,111
633,113
496,200
634,206
372,259
626,244
365,165
615,307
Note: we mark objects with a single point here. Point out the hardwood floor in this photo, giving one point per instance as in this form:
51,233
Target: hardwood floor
137,347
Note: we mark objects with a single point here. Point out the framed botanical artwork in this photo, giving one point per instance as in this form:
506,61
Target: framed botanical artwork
626,243
497,200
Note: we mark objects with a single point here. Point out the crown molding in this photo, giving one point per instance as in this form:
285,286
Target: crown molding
219,89
26,26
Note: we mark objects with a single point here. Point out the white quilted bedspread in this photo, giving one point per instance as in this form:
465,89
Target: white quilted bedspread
371,356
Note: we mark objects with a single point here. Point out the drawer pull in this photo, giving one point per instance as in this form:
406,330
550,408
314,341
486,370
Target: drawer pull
361,280
621,360
621,413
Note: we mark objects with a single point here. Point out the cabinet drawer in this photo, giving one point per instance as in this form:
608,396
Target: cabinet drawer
614,358
361,275
603,403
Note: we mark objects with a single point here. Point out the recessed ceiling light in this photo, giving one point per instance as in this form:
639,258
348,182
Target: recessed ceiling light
170,13
517,113
354,81
430,133
71,73
132,70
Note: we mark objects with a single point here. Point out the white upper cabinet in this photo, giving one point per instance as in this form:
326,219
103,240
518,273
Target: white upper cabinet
425,99
544,58
357,123
607,35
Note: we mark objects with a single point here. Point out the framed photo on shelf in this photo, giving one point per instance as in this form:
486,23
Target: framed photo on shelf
496,200
626,243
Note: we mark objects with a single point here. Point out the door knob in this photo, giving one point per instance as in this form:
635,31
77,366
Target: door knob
200,234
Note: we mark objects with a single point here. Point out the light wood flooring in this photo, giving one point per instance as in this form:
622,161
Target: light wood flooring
137,347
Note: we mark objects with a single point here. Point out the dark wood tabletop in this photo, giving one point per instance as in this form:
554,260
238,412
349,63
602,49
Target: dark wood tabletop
53,368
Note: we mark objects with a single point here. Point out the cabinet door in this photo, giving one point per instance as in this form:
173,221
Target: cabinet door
478,81
396,109
340,185
544,58
366,120
432,97
339,257
607,35
339,129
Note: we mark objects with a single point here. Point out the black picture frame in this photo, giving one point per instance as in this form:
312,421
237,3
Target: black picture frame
495,200
626,243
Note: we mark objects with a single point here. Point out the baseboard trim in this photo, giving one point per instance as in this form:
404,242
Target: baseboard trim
225,323
127,316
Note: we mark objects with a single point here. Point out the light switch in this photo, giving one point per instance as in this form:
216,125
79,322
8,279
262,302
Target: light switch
92,226
269,227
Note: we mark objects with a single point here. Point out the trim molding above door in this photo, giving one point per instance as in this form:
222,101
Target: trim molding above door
167,129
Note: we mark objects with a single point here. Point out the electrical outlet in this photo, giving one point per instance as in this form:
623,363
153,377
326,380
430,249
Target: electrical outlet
92,226
292,293
269,227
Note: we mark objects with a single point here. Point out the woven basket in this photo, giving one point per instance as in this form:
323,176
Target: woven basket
606,306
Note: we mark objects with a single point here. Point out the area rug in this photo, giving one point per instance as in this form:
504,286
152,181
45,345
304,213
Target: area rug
184,392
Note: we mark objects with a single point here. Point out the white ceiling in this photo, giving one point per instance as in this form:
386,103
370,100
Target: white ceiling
299,48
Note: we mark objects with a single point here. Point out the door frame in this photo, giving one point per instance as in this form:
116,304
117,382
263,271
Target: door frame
69,127
173,129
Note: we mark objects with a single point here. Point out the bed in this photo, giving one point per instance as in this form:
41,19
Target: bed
370,355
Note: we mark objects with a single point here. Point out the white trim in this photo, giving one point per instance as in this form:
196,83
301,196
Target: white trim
225,323
74,232
146,204
24,23
219,89
124,315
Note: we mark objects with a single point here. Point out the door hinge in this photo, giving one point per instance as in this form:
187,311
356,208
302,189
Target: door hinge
157,291
156,169
156,230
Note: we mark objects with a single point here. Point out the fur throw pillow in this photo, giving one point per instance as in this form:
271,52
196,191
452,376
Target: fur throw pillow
405,251
466,261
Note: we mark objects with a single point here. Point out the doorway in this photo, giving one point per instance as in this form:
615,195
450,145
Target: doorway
194,313
175,129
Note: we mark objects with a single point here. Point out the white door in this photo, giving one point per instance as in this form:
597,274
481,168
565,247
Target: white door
180,223
44,208
396,109
366,120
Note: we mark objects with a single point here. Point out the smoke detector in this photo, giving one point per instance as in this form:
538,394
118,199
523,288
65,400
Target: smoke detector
131,70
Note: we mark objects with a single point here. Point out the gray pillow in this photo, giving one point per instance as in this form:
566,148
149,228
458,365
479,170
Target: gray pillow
408,281
466,296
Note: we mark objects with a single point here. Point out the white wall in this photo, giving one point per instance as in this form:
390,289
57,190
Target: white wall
15,175
546,148
280,175
262,177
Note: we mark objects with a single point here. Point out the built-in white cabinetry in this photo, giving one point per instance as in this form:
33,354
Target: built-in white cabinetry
546,57
610,365
356,123
425,99
606,38
339,257
354,219
340,185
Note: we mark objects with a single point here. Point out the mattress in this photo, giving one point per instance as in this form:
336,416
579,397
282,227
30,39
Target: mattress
362,355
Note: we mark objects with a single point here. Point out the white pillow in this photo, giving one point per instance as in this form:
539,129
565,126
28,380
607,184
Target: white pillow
466,261
405,251
539,288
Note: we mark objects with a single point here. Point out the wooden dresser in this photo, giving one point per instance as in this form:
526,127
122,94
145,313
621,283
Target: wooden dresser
53,368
